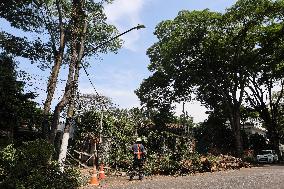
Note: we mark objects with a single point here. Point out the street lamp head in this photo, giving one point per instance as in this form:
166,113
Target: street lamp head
139,26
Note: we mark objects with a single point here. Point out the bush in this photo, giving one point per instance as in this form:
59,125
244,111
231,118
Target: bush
8,160
30,166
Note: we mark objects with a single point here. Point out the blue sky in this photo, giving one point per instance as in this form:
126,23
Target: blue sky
118,75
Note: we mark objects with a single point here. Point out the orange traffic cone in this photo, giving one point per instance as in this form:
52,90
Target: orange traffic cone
101,172
94,180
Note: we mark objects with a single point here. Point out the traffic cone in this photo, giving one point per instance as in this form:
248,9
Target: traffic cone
102,172
94,180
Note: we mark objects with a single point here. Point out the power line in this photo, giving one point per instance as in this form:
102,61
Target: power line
88,76
139,26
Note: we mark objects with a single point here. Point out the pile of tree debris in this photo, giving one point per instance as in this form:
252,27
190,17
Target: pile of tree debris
222,162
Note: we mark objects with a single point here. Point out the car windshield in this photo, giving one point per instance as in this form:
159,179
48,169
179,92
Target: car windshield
263,152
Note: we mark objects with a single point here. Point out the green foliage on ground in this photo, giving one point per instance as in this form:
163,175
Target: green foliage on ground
121,127
29,166
190,163
168,146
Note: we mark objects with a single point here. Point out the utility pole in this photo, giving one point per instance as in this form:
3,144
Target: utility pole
101,125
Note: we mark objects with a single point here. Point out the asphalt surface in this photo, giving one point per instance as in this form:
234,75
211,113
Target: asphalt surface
264,176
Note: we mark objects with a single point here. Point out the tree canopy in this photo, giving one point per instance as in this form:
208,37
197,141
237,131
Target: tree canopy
17,108
48,26
214,56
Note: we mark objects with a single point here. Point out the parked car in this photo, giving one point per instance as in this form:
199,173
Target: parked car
267,156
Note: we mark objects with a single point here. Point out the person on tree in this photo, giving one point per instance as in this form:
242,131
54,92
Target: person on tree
139,156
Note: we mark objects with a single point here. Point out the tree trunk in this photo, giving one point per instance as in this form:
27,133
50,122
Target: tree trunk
67,97
63,150
275,141
236,127
51,86
70,112
271,126
273,136
56,116
52,81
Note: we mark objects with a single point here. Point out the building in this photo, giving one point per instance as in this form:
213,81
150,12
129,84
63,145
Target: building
254,126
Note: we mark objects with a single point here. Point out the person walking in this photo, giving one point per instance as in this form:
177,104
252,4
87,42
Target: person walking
139,156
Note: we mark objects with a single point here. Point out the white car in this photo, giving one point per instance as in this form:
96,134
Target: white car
267,156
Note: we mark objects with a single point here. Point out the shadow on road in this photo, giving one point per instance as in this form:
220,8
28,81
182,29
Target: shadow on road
268,164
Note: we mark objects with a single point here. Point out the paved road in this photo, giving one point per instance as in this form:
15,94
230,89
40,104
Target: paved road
263,177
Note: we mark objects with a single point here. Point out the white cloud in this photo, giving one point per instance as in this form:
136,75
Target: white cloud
194,109
125,14
123,8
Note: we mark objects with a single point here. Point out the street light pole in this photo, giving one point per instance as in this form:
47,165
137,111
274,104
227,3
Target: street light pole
96,48
73,89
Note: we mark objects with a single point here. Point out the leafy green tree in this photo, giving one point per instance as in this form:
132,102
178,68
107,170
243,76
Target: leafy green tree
16,107
257,142
267,72
213,55
191,57
59,23
248,113
214,135
10,91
